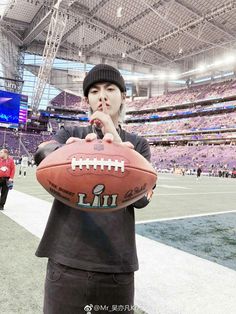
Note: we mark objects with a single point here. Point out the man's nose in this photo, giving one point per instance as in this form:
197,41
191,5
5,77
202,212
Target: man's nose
102,95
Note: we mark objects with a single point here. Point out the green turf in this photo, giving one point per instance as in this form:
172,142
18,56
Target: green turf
208,195
21,272
210,237
30,185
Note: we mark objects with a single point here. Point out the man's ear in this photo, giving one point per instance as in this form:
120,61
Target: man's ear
123,96
86,99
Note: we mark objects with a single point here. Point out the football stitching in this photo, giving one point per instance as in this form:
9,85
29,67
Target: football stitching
96,162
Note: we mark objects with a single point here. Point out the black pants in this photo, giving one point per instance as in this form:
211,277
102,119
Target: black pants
74,291
4,190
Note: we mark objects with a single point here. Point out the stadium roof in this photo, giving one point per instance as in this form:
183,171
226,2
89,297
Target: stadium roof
136,35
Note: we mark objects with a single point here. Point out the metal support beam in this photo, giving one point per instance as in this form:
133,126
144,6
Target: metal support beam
188,26
38,24
20,25
8,32
120,32
55,33
216,25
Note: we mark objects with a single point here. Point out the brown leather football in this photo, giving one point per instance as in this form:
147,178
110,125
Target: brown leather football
96,176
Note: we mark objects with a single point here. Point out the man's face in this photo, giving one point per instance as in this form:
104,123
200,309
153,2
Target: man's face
2,153
108,93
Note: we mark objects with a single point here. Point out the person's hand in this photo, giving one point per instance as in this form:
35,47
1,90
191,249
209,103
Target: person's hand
149,195
102,119
89,138
73,140
10,179
109,138
46,143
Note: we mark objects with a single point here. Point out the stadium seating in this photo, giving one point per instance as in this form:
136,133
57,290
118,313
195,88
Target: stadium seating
213,122
190,157
197,93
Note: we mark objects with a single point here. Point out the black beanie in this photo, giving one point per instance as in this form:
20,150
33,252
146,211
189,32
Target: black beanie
103,73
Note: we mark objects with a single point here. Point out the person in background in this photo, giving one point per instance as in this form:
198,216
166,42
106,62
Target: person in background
7,172
24,165
199,171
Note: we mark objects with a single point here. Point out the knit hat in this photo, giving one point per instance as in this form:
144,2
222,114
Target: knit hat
103,73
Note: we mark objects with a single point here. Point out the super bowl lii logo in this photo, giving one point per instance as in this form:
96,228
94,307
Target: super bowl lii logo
99,200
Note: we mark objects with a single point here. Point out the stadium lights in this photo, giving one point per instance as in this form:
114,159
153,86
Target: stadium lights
202,67
173,76
150,76
119,12
226,60
229,59
217,63
162,76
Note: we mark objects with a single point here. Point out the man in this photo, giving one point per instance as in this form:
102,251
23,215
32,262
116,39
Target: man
92,256
23,165
199,171
7,172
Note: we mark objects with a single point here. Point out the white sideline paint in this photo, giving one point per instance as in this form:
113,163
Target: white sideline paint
173,187
169,281
184,217
28,211
197,193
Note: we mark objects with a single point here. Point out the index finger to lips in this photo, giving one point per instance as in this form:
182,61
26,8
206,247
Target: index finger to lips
104,107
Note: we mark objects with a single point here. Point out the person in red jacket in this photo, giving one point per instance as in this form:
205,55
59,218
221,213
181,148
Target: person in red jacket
7,172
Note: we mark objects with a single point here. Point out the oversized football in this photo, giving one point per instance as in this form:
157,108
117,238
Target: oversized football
96,176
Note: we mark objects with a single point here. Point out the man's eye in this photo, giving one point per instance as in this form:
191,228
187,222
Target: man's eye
110,89
93,91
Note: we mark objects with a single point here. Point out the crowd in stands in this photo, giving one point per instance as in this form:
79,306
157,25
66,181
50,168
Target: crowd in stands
67,100
229,136
200,123
16,142
176,112
192,94
211,158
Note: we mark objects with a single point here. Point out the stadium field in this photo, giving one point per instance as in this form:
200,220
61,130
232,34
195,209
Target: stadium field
185,239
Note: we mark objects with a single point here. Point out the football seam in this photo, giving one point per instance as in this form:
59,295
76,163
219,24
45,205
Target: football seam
129,167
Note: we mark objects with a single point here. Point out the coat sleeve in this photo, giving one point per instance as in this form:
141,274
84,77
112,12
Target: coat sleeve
60,139
144,149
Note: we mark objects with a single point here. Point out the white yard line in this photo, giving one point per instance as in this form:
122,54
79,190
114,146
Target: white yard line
173,187
195,193
184,217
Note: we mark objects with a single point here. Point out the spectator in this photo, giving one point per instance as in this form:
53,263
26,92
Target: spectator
199,171
7,172
23,165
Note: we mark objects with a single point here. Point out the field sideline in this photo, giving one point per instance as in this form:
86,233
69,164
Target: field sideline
181,207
